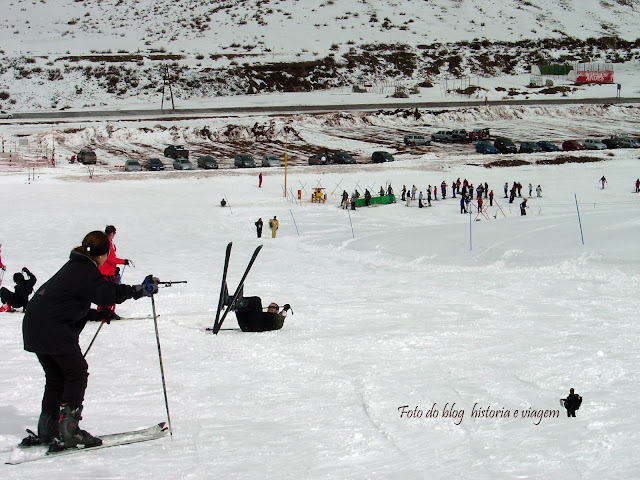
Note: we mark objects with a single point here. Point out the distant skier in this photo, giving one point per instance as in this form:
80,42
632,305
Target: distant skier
480,202
345,200
403,193
414,189
530,190
491,198
538,191
259,227
19,298
223,203
273,225
453,189
367,197
523,207
603,181
506,189
420,197
260,180
463,208
572,403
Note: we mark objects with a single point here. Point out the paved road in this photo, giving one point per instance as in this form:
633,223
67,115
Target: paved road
182,113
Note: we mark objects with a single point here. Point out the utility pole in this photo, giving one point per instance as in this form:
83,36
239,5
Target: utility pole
166,81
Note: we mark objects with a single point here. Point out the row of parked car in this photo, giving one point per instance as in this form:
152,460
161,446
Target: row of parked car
447,136
181,161
344,158
505,145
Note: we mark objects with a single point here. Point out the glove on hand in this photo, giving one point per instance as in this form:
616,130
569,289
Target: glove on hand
104,315
150,285
286,307
4,268
127,262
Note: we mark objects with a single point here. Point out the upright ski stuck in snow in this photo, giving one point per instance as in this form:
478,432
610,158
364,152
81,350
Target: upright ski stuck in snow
223,287
41,452
224,291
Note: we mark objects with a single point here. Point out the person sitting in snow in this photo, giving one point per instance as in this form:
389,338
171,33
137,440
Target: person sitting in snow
252,318
19,298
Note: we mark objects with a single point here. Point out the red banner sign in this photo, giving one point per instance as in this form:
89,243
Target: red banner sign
595,76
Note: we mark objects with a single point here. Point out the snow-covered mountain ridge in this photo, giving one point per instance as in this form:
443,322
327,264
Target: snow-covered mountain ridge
72,53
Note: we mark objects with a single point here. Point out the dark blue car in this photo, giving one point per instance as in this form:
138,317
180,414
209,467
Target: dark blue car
548,146
485,147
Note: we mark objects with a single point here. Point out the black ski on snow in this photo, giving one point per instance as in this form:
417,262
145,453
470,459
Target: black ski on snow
218,323
41,452
223,287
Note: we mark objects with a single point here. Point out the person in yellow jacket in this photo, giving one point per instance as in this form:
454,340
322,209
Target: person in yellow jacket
273,225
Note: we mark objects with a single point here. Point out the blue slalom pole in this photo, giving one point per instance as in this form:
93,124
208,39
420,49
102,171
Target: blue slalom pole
294,222
579,222
350,223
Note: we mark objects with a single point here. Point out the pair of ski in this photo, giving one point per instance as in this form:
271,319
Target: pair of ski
41,452
224,299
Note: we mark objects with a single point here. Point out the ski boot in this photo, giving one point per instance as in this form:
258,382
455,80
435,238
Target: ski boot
70,432
48,431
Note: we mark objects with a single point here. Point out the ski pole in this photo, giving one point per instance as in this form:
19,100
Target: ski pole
164,386
171,282
92,340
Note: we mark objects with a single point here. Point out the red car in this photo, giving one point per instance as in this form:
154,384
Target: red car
572,145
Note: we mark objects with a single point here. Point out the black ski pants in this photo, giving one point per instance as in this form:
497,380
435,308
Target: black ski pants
65,380
7,296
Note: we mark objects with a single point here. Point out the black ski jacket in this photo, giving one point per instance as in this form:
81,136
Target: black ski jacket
23,290
57,312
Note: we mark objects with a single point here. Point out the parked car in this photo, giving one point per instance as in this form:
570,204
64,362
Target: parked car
572,146
244,161
413,140
611,142
504,145
341,158
132,166
182,163
154,164
529,147
207,162
484,146
624,142
87,156
445,136
317,160
176,151
459,135
548,146
478,133
381,157
594,144
270,161
5,115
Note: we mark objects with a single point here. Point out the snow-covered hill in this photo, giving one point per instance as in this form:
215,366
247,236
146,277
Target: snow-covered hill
72,53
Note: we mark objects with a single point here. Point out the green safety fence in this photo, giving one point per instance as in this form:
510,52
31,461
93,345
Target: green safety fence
377,200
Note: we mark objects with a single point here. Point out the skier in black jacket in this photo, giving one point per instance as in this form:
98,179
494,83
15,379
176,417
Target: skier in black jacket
55,316
572,403
23,289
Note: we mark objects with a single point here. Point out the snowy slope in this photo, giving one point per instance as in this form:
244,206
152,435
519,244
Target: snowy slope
76,54
407,311
55,26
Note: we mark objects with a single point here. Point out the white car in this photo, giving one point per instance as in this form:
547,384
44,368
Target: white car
4,114
270,161
132,166
594,144
182,163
